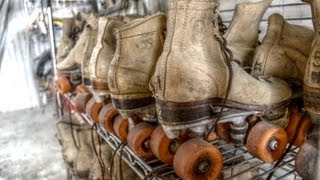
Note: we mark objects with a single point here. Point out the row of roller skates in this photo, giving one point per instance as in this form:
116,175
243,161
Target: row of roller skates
167,85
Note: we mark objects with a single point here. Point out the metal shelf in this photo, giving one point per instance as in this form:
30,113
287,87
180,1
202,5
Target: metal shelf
237,161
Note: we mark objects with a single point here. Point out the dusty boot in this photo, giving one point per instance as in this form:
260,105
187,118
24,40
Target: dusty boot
307,159
96,172
83,48
312,75
103,53
314,4
100,169
71,28
139,44
192,78
68,134
243,32
85,157
126,172
284,50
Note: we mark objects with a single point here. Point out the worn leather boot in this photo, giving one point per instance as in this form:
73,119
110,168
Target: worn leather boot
312,75
139,44
85,157
96,172
284,50
71,28
81,52
126,172
100,169
194,76
103,53
243,32
68,134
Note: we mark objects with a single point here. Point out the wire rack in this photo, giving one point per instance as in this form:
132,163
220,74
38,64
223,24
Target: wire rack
238,163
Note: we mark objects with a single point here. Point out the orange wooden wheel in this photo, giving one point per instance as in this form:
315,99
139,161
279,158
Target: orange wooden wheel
197,159
121,127
212,136
267,141
82,89
80,101
161,145
293,108
306,161
222,130
303,129
107,115
63,85
93,109
139,139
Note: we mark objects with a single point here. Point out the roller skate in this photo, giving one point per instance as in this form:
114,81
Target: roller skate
75,65
308,158
243,32
139,44
68,135
85,158
101,167
197,85
284,52
100,60
71,28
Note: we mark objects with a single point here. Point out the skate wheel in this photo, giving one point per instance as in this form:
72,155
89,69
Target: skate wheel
93,109
303,129
161,146
121,127
267,141
293,108
197,159
212,136
107,115
306,161
63,85
222,130
139,139
82,89
80,101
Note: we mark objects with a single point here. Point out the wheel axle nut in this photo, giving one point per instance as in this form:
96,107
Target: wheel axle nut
274,144
204,166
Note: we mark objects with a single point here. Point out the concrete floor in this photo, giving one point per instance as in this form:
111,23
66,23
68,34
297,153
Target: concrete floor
28,146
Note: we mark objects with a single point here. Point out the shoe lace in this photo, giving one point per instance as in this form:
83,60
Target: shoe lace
222,27
98,154
71,127
228,58
119,147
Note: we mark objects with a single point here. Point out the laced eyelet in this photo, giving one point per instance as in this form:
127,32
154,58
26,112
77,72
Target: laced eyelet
213,23
215,10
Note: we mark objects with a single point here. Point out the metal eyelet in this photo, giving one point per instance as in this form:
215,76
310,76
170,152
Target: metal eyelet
213,23
215,10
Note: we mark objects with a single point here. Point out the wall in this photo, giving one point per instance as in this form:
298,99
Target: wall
18,88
